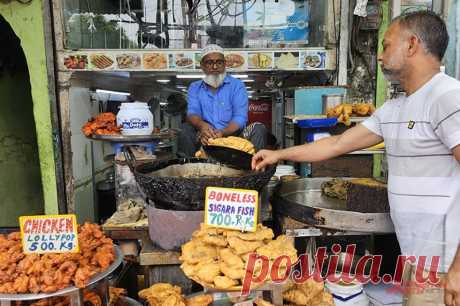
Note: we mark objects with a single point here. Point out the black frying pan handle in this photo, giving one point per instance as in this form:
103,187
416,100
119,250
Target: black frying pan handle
130,157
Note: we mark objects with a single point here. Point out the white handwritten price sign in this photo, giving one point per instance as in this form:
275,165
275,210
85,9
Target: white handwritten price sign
231,208
49,234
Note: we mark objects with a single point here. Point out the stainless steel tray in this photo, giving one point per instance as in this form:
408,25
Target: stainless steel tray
303,201
140,138
68,290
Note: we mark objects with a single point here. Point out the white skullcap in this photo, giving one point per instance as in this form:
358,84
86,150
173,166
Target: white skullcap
211,49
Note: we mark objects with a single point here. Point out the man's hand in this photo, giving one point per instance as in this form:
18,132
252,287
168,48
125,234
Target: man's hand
452,283
452,287
264,158
206,132
219,134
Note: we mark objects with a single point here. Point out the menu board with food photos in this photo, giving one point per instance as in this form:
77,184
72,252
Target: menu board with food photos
189,60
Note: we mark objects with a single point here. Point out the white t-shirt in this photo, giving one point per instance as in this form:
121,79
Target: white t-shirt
420,132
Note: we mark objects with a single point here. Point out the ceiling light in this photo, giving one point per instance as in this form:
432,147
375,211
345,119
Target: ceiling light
247,80
164,81
181,86
240,76
190,76
111,92
251,91
248,87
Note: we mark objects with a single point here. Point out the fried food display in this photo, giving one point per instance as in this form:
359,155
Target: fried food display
155,61
234,60
163,294
237,143
32,273
217,258
260,60
287,60
76,61
128,61
102,124
309,293
344,111
101,61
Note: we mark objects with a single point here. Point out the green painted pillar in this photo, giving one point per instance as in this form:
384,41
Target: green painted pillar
28,24
382,84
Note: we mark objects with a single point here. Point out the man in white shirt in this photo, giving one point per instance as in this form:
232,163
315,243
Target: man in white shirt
421,131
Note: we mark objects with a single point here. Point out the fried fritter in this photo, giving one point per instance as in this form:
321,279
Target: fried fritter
199,300
233,142
224,282
241,246
231,259
207,271
195,251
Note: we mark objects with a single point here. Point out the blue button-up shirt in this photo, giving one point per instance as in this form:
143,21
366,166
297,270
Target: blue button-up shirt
228,103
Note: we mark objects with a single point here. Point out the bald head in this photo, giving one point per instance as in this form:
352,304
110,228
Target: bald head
429,28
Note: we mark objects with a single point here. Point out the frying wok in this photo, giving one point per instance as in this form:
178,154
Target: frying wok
180,184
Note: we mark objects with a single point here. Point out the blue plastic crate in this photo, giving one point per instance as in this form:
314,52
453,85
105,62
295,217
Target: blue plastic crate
316,123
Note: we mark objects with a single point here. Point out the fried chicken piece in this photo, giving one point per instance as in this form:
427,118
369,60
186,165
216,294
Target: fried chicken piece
104,123
115,294
241,246
82,276
224,282
92,297
21,284
199,300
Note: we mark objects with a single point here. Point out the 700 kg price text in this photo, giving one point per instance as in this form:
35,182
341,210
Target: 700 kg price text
228,220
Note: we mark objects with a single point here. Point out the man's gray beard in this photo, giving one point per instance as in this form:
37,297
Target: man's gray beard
214,80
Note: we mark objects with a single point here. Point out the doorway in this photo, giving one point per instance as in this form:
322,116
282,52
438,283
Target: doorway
20,179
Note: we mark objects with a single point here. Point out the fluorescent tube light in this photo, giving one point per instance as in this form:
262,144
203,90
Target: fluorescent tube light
190,76
111,92
240,76
164,81
247,81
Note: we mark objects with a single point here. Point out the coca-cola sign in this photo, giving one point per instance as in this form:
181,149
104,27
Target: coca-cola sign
259,108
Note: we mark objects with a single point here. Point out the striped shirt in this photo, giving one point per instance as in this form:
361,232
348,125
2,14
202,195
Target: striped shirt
420,132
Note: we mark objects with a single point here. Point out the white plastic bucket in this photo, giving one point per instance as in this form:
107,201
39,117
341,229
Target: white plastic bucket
135,119
347,294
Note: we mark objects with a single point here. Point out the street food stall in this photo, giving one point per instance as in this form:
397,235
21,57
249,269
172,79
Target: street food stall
160,229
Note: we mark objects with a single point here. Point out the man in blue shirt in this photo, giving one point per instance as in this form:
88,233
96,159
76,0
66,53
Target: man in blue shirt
217,107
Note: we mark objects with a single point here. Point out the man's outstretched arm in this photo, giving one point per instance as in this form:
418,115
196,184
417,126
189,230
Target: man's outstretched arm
356,138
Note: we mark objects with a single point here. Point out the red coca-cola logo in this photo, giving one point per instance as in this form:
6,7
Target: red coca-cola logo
259,108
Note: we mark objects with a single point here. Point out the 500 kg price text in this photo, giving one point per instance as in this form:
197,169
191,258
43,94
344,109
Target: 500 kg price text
57,242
